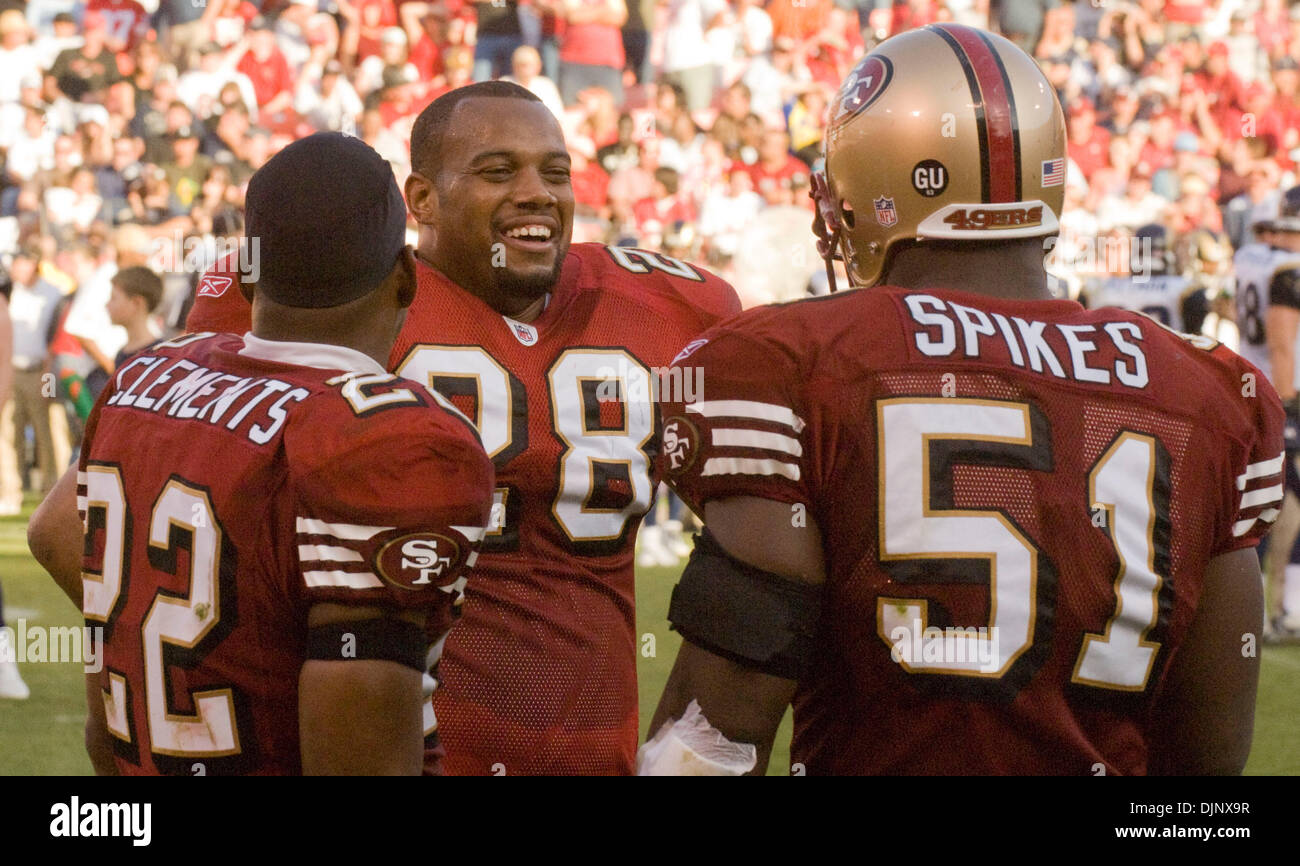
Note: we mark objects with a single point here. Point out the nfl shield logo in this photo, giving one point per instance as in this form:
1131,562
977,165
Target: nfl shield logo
525,334
885,213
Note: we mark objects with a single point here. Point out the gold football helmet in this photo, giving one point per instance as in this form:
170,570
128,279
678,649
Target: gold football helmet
944,132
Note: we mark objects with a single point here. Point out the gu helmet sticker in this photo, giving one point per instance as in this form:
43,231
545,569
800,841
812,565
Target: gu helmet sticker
929,177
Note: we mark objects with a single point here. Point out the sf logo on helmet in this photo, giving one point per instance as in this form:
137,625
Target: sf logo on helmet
679,444
418,560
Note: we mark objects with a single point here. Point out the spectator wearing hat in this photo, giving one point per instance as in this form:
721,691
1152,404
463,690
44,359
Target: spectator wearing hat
186,168
326,99
591,47
400,97
90,68
264,64
19,60
55,35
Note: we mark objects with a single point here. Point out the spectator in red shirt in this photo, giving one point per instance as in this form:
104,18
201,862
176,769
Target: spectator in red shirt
665,206
265,66
1088,141
1220,84
125,22
776,170
427,37
591,47
367,21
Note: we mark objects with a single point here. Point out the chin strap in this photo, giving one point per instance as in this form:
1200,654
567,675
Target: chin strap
826,226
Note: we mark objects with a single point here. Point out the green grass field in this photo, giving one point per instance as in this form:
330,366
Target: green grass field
42,735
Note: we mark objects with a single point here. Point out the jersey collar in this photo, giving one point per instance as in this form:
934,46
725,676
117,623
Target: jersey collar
321,355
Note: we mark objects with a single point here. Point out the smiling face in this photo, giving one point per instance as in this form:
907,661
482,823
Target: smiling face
504,201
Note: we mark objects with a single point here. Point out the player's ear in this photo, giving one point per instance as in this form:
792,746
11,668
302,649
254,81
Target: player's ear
247,288
421,198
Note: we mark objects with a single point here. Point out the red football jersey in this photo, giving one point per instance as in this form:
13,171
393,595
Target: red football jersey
1017,502
125,21
227,485
540,674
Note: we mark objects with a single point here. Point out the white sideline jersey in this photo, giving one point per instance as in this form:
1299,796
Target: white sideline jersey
1261,274
1159,296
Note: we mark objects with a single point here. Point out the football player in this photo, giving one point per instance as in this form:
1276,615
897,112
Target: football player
1169,297
964,527
553,350
1268,314
276,528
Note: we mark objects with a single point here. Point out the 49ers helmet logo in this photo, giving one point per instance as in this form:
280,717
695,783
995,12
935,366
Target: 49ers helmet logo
679,444
418,561
863,86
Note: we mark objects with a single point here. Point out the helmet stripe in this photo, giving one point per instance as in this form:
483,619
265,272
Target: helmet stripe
977,102
1015,116
999,151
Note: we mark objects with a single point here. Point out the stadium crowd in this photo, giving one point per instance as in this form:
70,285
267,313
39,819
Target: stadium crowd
129,131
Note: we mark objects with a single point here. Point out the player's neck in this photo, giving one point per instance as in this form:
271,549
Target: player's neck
1007,270
521,308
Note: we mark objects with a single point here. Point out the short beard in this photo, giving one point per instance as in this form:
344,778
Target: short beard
531,286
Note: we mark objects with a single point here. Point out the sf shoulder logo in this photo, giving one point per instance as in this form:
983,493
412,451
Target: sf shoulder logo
419,560
864,86
680,444
214,285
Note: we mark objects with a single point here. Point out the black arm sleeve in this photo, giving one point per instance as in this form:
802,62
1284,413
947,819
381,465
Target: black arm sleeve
1284,288
1196,306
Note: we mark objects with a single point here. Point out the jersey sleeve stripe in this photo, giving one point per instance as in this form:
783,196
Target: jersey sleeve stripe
349,531
307,552
757,439
348,579
1262,496
750,466
1261,469
747,409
